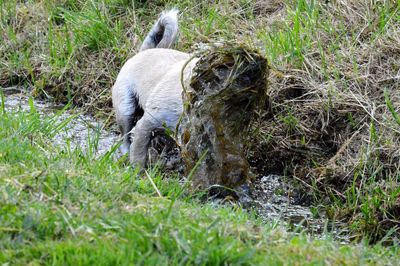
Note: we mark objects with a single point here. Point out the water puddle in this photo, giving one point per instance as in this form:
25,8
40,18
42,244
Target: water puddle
274,200
77,130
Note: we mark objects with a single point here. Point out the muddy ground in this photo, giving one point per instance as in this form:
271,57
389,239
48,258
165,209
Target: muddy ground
271,197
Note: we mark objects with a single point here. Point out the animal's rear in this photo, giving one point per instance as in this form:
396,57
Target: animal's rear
164,32
127,94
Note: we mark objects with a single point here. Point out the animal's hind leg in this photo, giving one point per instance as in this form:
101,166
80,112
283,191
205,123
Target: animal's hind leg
125,124
141,135
128,112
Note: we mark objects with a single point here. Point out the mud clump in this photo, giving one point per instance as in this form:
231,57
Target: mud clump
227,88
164,152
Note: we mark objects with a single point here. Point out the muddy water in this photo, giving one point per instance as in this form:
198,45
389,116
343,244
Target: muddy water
77,131
269,196
273,199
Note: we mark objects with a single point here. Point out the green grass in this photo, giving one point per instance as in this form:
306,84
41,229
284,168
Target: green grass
333,88
328,61
65,207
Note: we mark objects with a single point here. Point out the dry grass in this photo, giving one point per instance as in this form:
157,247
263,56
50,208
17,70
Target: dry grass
334,120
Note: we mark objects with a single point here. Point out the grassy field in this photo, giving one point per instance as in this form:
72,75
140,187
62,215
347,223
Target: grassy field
332,127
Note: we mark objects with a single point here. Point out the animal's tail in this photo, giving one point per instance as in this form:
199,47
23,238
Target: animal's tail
163,34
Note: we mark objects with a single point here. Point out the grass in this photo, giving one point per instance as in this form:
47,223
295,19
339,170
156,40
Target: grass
334,60
333,122
60,207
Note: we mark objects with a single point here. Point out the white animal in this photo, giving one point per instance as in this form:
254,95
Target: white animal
150,84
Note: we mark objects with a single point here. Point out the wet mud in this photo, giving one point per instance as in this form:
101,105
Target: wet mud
228,86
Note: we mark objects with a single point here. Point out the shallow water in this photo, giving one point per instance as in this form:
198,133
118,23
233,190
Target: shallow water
273,199
269,196
77,131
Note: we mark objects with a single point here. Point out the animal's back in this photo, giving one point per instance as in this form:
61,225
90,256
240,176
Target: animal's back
165,100
145,69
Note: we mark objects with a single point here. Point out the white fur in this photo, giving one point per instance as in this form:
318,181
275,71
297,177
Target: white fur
152,80
167,29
